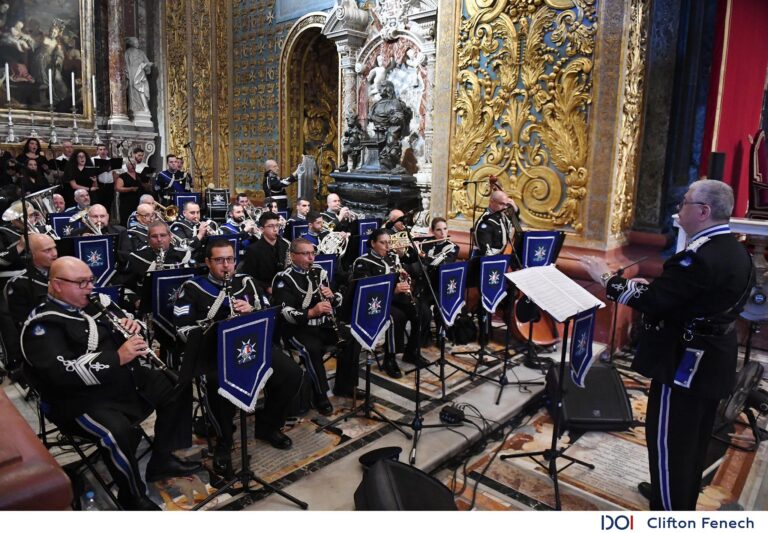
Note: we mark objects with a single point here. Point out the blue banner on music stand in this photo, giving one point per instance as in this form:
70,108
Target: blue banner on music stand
493,288
539,247
370,309
113,291
283,214
234,238
452,281
364,229
183,197
98,252
297,230
581,345
244,356
328,263
165,285
217,198
61,224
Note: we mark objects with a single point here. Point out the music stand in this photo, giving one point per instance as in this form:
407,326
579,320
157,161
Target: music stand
258,325
553,292
370,294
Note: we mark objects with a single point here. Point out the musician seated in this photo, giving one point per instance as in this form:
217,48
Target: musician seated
91,383
11,242
30,288
395,222
243,201
494,229
315,233
238,223
158,254
439,250
306,316
202,301
82,202
97,223
267,256
337,218
189,229
58,203
300,218
135,237
381,260
143,199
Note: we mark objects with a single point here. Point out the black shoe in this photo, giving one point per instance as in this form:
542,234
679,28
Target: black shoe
168,465
391,368
644,488
222,464
416,360
140,503
275,437
323,405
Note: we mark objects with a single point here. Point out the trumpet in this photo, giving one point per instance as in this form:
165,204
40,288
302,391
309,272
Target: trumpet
114,321
169,213
83,217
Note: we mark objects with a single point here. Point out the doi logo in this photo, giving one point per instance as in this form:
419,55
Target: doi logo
618,522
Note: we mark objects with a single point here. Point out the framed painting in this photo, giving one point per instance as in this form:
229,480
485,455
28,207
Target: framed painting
44,55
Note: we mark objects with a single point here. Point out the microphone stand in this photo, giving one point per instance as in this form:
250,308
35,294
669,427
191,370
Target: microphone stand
200,173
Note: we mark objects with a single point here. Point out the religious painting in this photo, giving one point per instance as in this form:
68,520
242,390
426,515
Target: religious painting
41,55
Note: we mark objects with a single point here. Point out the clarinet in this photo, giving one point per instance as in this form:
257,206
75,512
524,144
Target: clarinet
332,316
403,276
114,321
227,288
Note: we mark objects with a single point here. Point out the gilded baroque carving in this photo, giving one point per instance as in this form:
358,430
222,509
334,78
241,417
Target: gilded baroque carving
222,86
176,64
523,97
631,115
202,127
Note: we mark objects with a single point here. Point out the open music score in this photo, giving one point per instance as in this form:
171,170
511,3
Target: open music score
553,291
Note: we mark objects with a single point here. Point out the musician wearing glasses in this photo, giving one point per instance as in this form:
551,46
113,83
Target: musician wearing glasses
267,256
92,384
30,288
494,229
300,218
203,301
307,323
157,255
381,260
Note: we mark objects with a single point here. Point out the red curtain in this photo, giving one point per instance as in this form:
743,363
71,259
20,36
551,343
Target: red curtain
740,58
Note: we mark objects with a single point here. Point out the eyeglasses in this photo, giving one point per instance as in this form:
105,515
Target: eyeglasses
272,226
81,283
685,202
223,260
311,252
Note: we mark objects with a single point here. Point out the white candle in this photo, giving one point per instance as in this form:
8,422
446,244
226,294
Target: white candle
7,84
50,86
73,89
93,91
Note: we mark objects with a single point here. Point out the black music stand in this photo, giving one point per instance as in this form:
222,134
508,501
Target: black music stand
367,408
245,475
566,314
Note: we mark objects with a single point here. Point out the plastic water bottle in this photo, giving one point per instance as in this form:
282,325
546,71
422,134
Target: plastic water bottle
89,502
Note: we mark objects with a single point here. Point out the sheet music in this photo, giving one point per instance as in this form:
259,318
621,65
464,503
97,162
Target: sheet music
553,291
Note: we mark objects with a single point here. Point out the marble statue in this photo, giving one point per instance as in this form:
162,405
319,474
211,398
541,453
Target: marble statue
351,144
391,119
137,67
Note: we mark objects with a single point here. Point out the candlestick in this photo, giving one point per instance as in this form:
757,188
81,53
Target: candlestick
54,138
7,85
11,138
75,134
93,93
33,132
73,89
50,87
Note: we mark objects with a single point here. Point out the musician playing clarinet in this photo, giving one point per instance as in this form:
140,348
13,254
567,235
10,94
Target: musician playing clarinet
204,300
308,307
91,383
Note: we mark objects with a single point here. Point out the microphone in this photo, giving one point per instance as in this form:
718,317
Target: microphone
188,144
121,144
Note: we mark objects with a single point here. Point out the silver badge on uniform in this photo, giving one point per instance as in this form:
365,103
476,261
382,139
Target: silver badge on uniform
280,284
39,331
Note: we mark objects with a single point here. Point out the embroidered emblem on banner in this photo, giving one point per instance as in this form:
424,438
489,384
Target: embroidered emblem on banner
94,259
374,306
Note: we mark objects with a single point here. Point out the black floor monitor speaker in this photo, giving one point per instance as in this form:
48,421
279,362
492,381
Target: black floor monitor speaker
602,405
393,486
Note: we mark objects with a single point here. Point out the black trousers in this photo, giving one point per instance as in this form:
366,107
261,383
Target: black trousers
403,311
678,430
113,426
281,387
311,342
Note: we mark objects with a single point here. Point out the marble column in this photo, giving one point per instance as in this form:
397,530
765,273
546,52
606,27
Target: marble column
118,107
347,57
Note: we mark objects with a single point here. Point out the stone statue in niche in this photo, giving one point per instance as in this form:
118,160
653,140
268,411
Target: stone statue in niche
375,77
351,144
391,119
137,67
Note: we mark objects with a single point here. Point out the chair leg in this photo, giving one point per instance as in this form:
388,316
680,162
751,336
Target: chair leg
92,469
